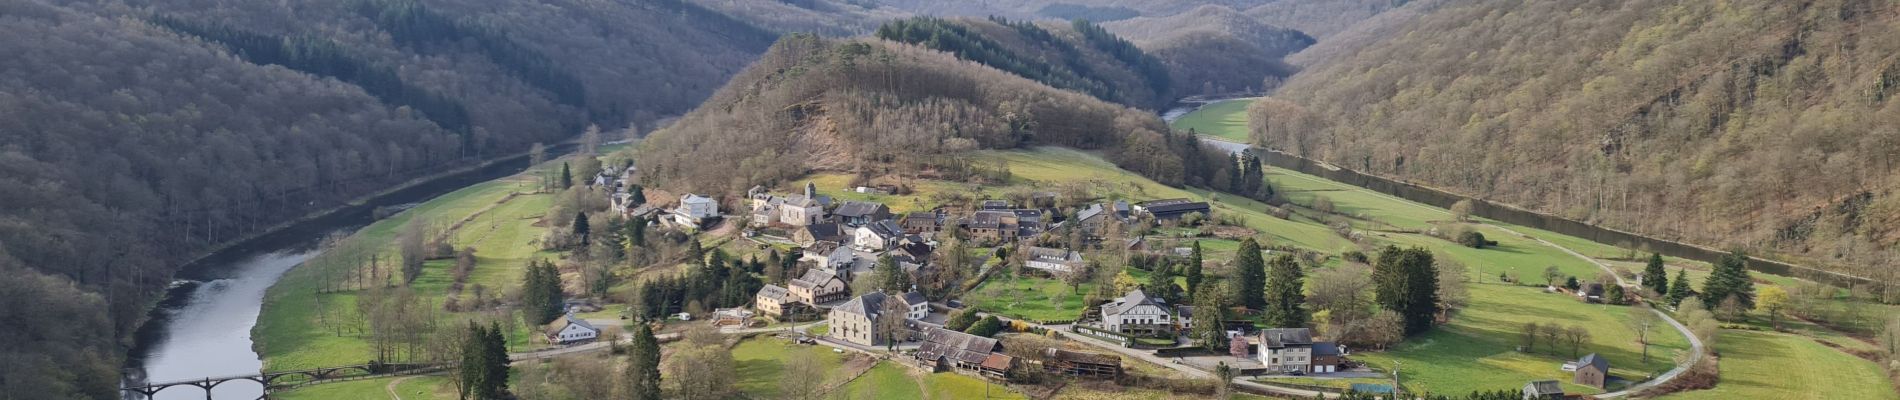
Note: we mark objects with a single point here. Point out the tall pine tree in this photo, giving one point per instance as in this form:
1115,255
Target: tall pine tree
581,230
1193,272
1730,279
1251,275
1286,296
643,369
567,176
1679,289
1654,277
1406,282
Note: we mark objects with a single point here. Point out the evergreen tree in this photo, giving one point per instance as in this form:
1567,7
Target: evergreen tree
637,196
1654,277
1234,179
1161,285
496,347
471,372
643,369
1730,279
581,230
1210,308
1286,297
694,253
1406,282
541,297
1193,273
1251,275
1679,288
567,176
892,277
961,320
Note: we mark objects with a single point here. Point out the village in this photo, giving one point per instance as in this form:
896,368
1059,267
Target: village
839,244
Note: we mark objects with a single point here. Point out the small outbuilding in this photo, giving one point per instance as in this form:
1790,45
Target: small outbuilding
1592,370
1543,390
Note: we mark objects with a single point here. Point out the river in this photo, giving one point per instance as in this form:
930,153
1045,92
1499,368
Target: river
202,327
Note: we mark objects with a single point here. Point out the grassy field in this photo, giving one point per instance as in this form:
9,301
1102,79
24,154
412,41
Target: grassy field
948,385
761,363
1027,298
1225,120
288,333
1762,365
427,387
885,381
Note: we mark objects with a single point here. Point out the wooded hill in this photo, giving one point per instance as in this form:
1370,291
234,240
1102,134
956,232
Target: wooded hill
1764,124
138,133
1077,56
878,107
1320,19
1214,49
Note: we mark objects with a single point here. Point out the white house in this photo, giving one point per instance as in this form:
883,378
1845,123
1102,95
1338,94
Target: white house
878,236
1287,349
1137,314
571,329
1052,260
831,256
917,306
694,209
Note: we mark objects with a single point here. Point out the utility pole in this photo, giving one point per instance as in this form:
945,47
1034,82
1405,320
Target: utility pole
1395,378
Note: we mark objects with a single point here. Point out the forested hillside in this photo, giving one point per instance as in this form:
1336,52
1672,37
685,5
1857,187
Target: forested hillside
878,107
1321,19
1214,49
136,134
1093,10
1078,56
1765,124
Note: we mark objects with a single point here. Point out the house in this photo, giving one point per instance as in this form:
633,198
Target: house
995,205
1121,210
948,350
1591,292
1029,222
1287,349
1172,208
1052,260
801,211
1088,365
694,210
1592,370
738,317
992,226
998,366
1543,390
817,287
878,236
831,256
921,223
913,252
570,329
1184,317
1092,219
860,213
1327,357
915,305
771,300
1137,314
856,321
807,235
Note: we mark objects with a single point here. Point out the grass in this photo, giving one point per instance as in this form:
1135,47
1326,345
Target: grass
1341,383
1037,299
411,388
1763,365
949,385
838,186
761,363
1476,350
886,381
288,333
1225,119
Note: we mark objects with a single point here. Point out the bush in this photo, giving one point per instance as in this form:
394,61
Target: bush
1474,239
987,327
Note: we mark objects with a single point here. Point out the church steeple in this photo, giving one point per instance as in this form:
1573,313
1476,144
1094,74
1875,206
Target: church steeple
811,190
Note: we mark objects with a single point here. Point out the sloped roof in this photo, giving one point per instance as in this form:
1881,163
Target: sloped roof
1134,298
868,305
857,209
1091,211
956,346
921,219
1325,349
1283,337
999,361
1593,360
821,231
561,324
823,247
774,292
1544,388
1171,206
1052,254
813,278
914,298
885,229
995,204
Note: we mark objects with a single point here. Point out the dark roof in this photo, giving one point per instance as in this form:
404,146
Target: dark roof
813,278
1543,388
823,247
1174,206
561,324
917,251
1325,349
1028,214
1184,312
1283,337
1592,359
886,229
858,209
914,298
1092,211
1080,357
956,346
921,219
822,231
995,204
987,219
868,305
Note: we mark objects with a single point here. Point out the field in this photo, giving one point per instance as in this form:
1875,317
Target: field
410,388
1036,299
1225,119
1761,365
502,229
761,364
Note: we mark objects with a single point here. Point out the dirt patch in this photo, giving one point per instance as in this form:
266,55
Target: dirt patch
1232,232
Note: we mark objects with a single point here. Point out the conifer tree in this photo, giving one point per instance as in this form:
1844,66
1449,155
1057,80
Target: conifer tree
581,229
1286,297
1730,279
643,369
567,176
1679,288
1654,277
1251,275
1193,272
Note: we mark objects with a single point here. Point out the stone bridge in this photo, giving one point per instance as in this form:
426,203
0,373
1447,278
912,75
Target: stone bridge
287,379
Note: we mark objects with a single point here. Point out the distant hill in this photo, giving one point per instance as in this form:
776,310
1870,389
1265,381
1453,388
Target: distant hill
877,107
1214,49
1758,124
139,133
1077,56
834,18
1093,10
1320,19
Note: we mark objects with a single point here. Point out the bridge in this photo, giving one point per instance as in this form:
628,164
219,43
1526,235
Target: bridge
271,380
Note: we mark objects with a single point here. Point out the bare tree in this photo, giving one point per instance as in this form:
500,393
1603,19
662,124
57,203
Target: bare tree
891,321
1576,335
804,379
702,372
1642,319
590,140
